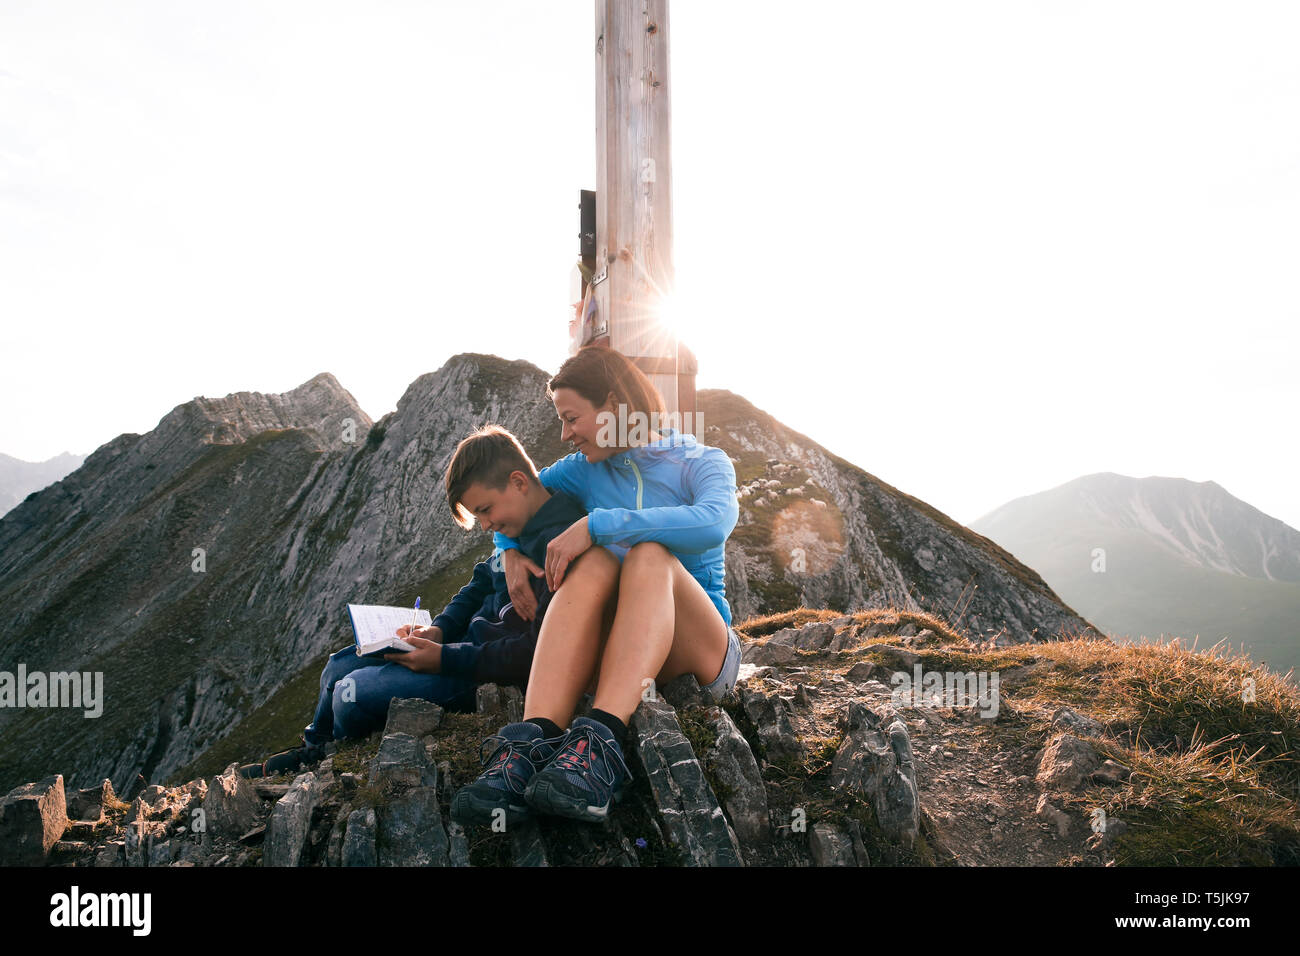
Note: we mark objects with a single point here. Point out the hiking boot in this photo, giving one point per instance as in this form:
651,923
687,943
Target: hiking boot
286,761
585,777
515,755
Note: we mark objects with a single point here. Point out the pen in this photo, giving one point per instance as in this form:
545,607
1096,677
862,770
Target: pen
413,613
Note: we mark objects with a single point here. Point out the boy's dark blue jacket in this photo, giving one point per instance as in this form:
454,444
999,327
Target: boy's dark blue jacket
483,639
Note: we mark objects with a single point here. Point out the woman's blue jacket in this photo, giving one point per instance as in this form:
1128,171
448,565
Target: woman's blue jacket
676,491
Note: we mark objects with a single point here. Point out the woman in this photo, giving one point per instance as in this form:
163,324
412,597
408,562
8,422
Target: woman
650,555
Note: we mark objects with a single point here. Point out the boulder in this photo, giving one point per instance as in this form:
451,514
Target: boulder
731,763
410,715
1066,762
875,762
688,807
290,823
112,854
89,804
140,838
814,637
160,852
402,762
410,830
334,845
231,807
861,672
359,838
33,818
846,639
770,716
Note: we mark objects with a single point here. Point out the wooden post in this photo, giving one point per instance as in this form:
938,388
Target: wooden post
634,194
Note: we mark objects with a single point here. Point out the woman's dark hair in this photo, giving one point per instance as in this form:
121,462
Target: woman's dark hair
595,372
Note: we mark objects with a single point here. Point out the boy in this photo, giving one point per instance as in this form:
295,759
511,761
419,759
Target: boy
478,638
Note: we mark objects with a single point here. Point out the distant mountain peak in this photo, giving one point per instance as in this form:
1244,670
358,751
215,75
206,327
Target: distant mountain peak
320,405
1159,555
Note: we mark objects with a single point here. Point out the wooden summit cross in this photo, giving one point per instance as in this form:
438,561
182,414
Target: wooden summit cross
628,243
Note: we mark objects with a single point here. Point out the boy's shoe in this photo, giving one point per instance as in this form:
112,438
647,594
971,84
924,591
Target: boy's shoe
516,754
286,760
586,775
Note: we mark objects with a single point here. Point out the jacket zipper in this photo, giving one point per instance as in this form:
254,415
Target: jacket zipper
637,472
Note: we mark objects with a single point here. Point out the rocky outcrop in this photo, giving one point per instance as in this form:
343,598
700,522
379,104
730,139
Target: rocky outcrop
231,807
359,838
815,762
290,823
729,761
875,762
687,804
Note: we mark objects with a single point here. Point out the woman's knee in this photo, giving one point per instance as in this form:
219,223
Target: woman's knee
595,567
646,554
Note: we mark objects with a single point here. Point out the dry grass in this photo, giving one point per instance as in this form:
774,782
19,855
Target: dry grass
1210,738
771,623
1215,773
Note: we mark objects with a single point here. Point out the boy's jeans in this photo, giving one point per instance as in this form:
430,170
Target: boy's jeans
359,706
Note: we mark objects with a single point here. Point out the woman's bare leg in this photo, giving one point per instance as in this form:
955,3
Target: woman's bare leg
665,626
569,644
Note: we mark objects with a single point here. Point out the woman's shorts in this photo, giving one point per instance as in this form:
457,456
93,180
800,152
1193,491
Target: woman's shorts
726,679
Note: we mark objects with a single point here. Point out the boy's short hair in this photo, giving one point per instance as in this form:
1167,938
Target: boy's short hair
486,457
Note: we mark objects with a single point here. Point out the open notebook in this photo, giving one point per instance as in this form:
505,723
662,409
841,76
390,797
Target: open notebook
374,628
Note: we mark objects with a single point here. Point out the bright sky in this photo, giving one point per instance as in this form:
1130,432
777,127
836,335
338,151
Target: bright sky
977,249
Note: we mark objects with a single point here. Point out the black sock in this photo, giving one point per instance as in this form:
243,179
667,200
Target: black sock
616,726
549,727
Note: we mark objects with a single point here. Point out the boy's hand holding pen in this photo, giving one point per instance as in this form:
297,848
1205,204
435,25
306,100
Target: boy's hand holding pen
431,633
427,656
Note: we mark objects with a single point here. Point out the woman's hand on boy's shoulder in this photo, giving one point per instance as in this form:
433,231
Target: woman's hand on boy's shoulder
425,659
565,548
